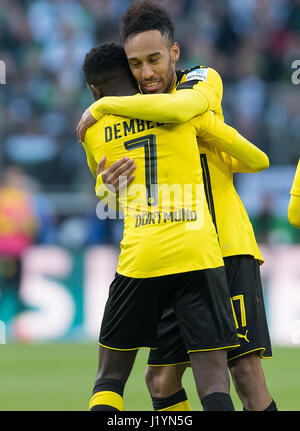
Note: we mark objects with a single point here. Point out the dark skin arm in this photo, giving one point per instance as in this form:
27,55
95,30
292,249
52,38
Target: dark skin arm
86,121
122,168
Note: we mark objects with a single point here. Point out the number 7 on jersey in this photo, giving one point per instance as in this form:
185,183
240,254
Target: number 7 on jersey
149,144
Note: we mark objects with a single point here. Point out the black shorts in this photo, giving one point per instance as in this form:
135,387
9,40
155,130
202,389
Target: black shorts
201,304
244,282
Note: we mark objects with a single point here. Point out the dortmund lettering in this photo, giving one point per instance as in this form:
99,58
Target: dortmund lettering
168,216
157,217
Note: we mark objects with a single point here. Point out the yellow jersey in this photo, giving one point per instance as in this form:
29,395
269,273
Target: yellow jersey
167,228
294,204
234,228
232,223
235,231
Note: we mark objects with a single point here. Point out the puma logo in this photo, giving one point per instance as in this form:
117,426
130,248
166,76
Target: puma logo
244,336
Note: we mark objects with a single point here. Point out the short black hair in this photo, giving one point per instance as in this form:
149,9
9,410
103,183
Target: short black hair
105,62
145,15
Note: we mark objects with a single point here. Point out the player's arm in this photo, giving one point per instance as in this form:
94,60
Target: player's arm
117,176
238,166
294,204
166,108
208,83
111,182
193,97
227,139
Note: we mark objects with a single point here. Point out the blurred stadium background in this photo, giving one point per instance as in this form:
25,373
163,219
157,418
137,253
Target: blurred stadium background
55,274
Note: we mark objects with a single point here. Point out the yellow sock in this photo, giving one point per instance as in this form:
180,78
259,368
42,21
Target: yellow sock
107,395
183,406
176,402
107,398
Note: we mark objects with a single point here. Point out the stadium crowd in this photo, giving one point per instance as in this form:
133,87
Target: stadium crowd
251,43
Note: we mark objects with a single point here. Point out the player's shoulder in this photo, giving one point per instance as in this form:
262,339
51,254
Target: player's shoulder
108,120
198,74
93,134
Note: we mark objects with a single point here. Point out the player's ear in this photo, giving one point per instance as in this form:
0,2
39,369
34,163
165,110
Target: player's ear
175,52
96,92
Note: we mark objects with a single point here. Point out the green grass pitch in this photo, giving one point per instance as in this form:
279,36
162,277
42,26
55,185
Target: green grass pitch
36,377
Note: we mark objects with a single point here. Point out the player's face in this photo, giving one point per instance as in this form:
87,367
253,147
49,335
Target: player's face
152,61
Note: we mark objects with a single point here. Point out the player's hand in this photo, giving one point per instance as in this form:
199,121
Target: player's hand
119,175
86,121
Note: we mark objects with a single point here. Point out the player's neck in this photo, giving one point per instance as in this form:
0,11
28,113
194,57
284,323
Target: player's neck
172,85
122,90
130,91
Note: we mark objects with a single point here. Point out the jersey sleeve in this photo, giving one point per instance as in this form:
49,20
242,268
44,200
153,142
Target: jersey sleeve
227,139
238,166
178,107
207,82
202,91
295,190
294,204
